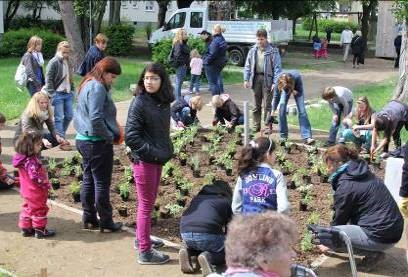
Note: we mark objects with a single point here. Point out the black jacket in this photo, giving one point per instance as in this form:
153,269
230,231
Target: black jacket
362,199
397,42
404,180
147,131
181,54
208,213
216,54
179,105
229,111
357,45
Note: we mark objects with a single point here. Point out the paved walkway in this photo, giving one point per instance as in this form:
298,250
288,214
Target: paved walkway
80,253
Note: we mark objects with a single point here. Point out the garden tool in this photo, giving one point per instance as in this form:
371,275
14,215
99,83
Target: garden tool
298,270
335,237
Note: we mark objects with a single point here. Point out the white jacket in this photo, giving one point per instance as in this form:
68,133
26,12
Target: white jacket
346,36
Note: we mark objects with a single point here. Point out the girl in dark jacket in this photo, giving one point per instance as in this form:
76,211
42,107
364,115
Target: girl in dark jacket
357,48
363,207
226,110
147,134
33,62
181,58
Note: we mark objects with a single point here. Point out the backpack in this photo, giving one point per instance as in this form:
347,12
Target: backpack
21,76
171,59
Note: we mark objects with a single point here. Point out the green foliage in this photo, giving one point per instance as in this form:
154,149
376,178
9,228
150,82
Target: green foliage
52,164
306,242
120,39
336,26
14,43
167,170
195,162
75,187
20,22
401,10
78,170
209,178
124,189
186,185
128,173
66,171
313,218
174,209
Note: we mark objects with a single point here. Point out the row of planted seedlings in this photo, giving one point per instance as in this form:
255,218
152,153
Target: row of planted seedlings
123,188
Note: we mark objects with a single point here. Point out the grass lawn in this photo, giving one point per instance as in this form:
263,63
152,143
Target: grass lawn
378,95
302,34
13,102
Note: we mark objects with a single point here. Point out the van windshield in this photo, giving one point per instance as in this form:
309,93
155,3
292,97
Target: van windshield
177,21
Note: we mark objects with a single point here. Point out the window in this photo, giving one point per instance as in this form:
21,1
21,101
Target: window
123,5
196,20
134,4
177,21
149,6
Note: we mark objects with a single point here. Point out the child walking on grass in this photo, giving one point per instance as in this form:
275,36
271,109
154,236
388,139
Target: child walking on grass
34,186
196,65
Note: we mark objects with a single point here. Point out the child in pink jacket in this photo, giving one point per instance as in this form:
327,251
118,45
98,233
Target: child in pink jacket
196,65
34,186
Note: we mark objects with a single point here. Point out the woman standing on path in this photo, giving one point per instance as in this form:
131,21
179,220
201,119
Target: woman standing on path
148,137
181,58
33,62
357,48
97,129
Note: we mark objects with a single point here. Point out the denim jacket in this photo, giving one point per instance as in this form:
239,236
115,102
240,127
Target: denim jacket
272,65
95,112
298,87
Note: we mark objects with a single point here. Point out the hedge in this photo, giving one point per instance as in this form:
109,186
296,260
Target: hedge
14,43
336,26
27,22
161,50
120,39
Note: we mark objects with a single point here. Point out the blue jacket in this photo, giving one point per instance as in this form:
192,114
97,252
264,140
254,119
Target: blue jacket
92,57
183,102
216,54
298,87
272,65
95,113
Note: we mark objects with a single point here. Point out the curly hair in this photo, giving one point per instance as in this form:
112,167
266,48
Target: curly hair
340,153
256,239
254,153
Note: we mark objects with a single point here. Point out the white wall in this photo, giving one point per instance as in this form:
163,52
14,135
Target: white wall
387,29
1,18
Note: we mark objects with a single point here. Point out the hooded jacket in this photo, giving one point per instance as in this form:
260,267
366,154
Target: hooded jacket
183,102
361,198
216,54
92,57
228,111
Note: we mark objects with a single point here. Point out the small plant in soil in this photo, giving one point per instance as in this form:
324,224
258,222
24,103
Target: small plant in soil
167,172
155,216
123,211
55,183
185,186
181,200
75,190
52,164
296,181
209,178
78,171
287,167
220,130
76,159
305,202
231,148
280,156
195,165
124,190
128,174
314,218
304,189
52,194
228,164
174,209
66,171
289,147
306,243
183,158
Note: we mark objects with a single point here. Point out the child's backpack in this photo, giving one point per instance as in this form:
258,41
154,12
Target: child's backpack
171,59
21,76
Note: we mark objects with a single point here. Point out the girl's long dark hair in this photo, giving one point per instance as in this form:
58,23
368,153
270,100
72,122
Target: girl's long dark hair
252,154
165,93
382,123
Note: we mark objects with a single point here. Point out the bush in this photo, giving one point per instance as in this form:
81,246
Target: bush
56,26
161,50
120,39
336,26
14,43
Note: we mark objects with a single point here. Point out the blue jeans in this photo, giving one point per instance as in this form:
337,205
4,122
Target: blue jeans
305,129
214,78
63,111
334,128
181,72
363,140
97,166
185,116
195,83
212,243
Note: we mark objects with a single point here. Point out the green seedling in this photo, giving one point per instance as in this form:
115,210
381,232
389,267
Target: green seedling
306,242
128,174
209,178
174,209
52,164
75,188
195,162
313,218
124,189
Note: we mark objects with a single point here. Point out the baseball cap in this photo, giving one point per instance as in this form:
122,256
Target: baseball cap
204,32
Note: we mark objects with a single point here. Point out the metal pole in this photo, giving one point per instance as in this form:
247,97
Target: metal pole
246,123
347,241
90,23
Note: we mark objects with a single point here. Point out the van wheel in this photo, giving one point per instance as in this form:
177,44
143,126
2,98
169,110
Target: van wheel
236,57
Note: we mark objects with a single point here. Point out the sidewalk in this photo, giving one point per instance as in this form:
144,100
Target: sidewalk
74,252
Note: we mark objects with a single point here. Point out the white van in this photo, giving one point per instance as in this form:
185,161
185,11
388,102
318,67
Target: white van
239,34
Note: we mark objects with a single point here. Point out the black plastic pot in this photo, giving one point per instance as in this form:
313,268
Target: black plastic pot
228,171
56,185
181,202
302,207
76,197
124,198
307,179
196,173
211,160
183,162
292,185
123,211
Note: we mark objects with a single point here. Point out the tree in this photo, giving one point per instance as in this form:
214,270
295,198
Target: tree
368,6
161,17
72,31
401,90
181,4
114,12
11,11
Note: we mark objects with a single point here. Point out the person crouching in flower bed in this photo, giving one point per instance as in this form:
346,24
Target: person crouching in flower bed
184,111
226,111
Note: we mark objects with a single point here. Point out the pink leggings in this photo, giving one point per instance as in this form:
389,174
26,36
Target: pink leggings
147,179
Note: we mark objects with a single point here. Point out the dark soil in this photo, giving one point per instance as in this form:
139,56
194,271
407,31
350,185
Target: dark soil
167,226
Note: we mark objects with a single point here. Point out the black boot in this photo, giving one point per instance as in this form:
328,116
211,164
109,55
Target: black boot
113,227
41,233
27,232
94,225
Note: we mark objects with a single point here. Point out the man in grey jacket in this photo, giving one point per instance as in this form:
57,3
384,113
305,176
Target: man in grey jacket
262,68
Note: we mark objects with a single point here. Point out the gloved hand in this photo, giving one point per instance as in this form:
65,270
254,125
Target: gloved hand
271,120
403,206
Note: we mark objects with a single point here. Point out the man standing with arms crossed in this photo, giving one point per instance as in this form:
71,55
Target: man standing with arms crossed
262,68
346,37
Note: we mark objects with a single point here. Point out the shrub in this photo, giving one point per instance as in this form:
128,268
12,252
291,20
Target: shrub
161,50
14,43
336,26
56,26
120,39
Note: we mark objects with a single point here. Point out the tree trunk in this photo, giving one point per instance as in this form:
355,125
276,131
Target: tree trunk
72,31
161,17
401,91
367,7
181,4
294,26
114,12
100,12
12,8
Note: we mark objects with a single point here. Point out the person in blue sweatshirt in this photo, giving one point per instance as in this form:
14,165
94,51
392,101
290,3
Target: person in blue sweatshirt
94,54
184,110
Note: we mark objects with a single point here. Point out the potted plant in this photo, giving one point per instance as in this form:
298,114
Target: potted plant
183,158
195,165
75,190
185,187
55,183
51,194
228,164
209,178
306,243
174,209
128,174
124,189
305,202
123,211
76,159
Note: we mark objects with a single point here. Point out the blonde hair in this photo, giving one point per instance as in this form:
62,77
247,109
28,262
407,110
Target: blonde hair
286,82
33,42
100,38
197,102
216,101
194,54
33,106
366,116
328,93
218,29
178,38
63,44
